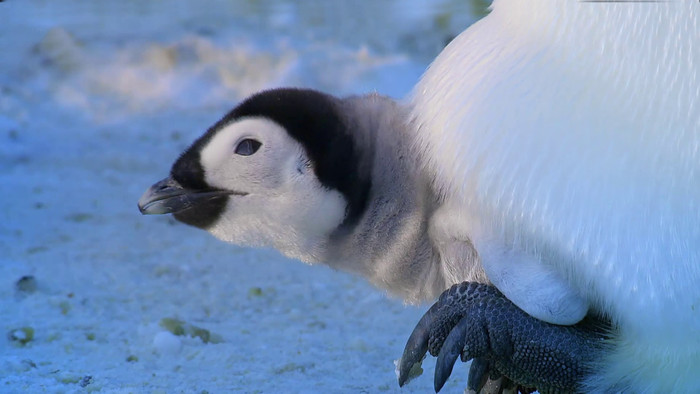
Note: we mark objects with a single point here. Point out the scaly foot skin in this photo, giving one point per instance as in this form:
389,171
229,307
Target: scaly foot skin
476,321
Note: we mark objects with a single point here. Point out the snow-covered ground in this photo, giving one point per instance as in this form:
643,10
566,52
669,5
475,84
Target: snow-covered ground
96,101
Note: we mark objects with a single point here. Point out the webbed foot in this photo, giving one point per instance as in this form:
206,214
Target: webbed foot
476,321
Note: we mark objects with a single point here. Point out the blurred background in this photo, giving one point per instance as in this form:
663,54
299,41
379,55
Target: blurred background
97,99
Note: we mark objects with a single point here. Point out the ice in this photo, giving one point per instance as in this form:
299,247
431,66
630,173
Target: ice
167,344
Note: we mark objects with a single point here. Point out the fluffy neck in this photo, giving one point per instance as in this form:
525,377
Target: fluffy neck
389,245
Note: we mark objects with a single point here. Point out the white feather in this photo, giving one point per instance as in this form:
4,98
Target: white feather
568,132
286,207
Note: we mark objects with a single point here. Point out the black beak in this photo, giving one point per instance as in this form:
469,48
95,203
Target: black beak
167,196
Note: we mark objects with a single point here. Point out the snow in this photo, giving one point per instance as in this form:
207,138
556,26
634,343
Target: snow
167,344
96,101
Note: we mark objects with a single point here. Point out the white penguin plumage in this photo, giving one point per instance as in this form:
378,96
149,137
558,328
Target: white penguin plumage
551,148
572,137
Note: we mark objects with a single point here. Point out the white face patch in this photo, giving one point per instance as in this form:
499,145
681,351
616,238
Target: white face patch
285,205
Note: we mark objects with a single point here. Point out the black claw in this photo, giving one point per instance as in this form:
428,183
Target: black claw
478,374
511,350
451,349
416,346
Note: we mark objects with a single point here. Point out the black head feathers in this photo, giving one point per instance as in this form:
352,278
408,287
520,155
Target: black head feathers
312,118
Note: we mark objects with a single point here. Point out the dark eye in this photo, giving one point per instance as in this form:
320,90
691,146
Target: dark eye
247,147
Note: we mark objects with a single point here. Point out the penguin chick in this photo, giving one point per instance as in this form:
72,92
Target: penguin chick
321,179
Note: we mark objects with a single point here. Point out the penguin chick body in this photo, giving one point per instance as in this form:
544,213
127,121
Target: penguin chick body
330,180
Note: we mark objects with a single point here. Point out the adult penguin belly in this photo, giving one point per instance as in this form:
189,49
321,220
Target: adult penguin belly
566,137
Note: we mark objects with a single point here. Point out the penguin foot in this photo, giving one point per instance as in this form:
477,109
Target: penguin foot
510,349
